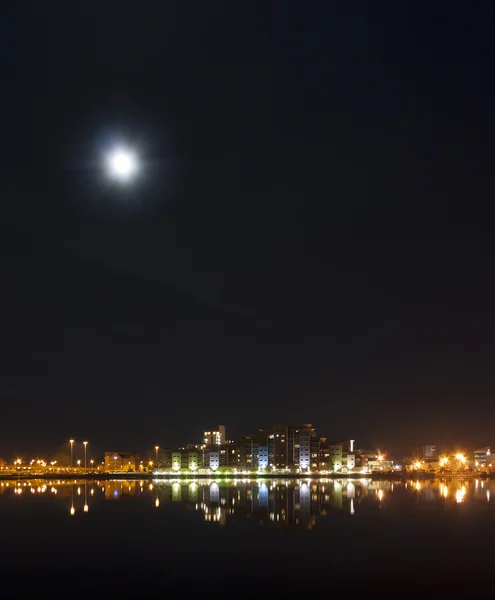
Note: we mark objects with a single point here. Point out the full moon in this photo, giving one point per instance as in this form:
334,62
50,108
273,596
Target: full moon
122,164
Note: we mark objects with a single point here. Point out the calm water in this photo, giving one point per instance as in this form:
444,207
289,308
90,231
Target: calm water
183,537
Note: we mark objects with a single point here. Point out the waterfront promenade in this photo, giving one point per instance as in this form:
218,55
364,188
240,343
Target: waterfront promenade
131,475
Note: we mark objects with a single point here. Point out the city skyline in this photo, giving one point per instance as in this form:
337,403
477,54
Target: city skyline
296,447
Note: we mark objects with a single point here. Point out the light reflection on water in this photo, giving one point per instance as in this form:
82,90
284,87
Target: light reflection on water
279,503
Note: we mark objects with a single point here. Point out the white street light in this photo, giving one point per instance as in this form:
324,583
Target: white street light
85,456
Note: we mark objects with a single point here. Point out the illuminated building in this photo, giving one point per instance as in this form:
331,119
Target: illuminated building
483,456
263,458
380,465
335,456
429,451
192,461
279,447
292,445
120,461
245,453
323,455
215,437
212,459
176,460
342,456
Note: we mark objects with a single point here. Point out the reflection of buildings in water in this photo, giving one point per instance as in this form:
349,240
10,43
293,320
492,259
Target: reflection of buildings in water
263,497
304,502
351,491
114,490
336,496
386,486
176,492
274,503
429,494
214,493
300,503
278,503
193,492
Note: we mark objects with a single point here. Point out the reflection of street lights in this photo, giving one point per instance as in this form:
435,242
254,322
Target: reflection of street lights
85,456
72,509
86,506
71,453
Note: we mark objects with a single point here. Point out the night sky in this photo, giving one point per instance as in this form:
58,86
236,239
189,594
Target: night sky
311,237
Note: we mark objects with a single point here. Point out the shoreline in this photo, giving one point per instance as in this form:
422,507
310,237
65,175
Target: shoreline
131,476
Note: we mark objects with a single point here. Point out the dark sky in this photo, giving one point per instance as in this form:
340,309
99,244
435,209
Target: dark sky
311,237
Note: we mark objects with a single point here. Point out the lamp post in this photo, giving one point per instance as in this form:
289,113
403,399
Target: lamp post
85,457
71,452
156,450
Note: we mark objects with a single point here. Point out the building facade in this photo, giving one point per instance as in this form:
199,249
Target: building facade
483,457
120,461
215,437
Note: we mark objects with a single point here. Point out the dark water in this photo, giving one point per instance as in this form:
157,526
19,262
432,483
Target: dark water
236,539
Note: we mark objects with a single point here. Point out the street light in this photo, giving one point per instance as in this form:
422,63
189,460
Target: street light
85,457
71,452
156,450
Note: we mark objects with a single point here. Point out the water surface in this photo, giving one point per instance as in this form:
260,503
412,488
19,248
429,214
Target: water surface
182,537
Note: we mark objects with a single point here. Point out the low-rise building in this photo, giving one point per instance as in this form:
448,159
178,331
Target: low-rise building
483,457
429,451
380,465
120,461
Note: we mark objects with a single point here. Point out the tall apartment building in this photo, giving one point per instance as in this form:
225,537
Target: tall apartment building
245,453
293,446
215,437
